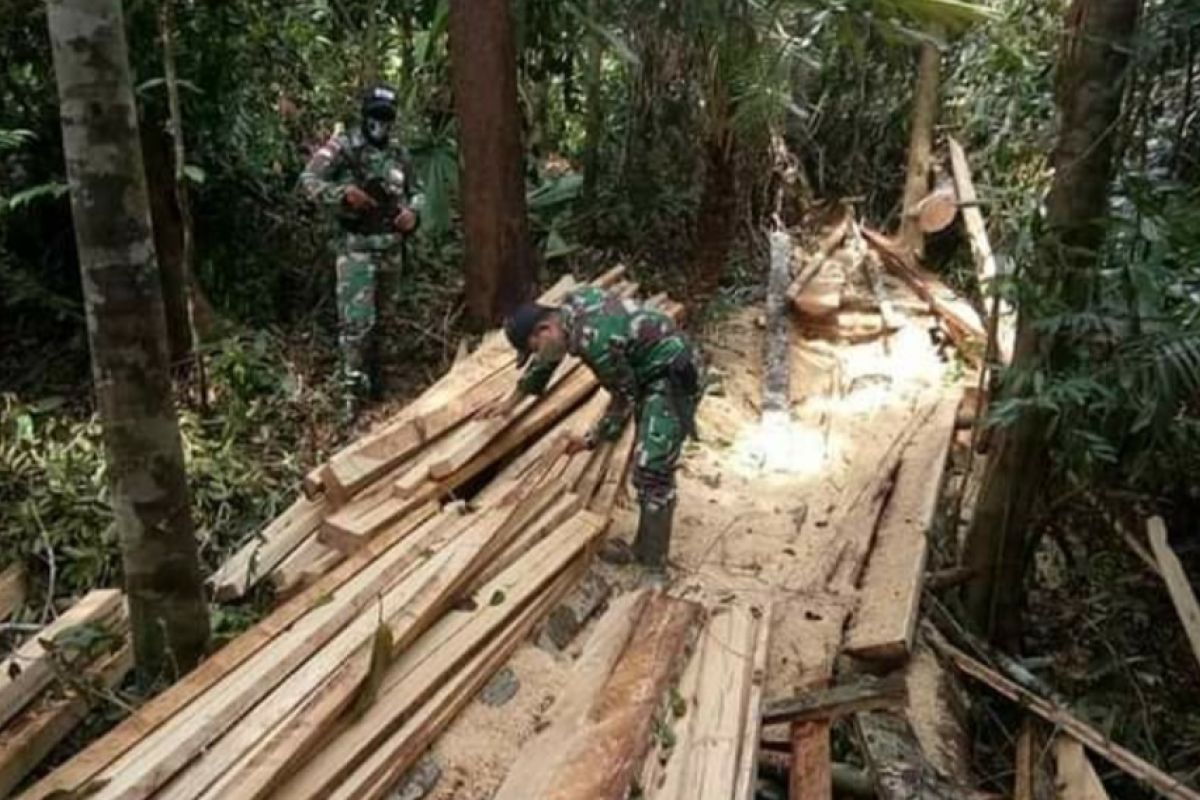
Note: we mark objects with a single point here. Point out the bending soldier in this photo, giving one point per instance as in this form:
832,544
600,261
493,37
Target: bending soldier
367,185
646,365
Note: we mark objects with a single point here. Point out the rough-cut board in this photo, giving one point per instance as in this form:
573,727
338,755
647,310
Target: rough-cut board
1164,784
31,668
745,782
716,749
267,550
12,590
604,753
1002,325
1182,594
1074,776
30,737
777,353
541,756
886,620
303,566
416,676
897,762
863,693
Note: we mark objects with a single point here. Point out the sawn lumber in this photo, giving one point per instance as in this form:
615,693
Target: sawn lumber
863,693
262,554
1074,776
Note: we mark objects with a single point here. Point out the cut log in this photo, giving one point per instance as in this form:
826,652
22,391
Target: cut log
936,709
542,755
962,320
1182,594
12,590
33,734
885,623
864,693
1074,776
447,645
1164,784
32,667
715,753
937,209
267,550
1002,326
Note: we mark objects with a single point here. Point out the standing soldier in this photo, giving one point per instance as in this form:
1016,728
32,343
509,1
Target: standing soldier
367,185
646,365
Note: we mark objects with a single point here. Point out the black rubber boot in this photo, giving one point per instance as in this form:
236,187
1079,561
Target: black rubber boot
654,537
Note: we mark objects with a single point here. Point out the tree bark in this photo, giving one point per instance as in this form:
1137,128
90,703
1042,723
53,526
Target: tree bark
483,64
127,333
1093,63
716,220
593,130
920,145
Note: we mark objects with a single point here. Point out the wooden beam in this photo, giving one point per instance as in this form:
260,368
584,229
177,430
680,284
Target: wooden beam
12,590
1003,325
303,567
777,351
267,550
31,668
897,762
745,786
885,623
1074,776
1098,743
863,693
1180,588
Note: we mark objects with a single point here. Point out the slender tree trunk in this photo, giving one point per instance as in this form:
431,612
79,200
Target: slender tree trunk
1093,65
593,130
1189,82
127,332
483,65
168,239
717,219
920,145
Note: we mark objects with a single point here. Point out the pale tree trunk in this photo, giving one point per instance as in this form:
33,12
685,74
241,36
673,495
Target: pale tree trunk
483,64
127,333
920,145
1093,65
593,130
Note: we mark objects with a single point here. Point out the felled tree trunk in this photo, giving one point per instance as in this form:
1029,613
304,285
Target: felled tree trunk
1093,64
920,145
483,66
127,333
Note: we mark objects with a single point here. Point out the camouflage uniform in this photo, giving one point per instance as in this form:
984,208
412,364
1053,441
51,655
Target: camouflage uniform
645,364
368,242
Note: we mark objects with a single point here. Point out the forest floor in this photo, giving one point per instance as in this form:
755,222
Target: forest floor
756,515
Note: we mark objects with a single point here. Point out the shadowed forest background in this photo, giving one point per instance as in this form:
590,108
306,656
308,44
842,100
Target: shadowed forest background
669,136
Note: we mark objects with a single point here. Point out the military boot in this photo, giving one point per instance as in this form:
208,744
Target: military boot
654,536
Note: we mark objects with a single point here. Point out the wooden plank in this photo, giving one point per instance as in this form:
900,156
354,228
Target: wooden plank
342,582
304,566
606,753
617,473
366,506
267,550
541,756
12,590
885,624
1074,776
387,765
746,779
31,668
1182,594
281,727
1098,743
565,506
897,762
862,693
777,350
33,734
1003,324
414,679
811,776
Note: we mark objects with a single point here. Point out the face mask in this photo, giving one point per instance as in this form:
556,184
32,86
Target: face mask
376,130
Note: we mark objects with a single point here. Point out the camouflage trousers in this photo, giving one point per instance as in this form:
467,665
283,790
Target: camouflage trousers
665,418
357,304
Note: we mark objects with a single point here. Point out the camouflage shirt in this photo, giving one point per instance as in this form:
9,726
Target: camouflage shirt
627,347
346,160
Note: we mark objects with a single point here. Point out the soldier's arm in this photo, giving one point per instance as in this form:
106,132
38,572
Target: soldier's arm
323,177
537,375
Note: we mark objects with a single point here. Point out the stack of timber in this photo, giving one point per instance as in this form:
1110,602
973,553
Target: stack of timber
412,596
428,450
50,681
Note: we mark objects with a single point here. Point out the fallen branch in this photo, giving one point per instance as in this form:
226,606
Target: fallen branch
1182,594
1091,738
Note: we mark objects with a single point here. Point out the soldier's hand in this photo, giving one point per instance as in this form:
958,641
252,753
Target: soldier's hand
405,221
358,199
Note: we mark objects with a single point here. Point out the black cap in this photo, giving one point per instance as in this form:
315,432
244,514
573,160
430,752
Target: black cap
521,324
379,102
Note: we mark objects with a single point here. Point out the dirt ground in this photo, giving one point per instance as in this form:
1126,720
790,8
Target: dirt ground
756,517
